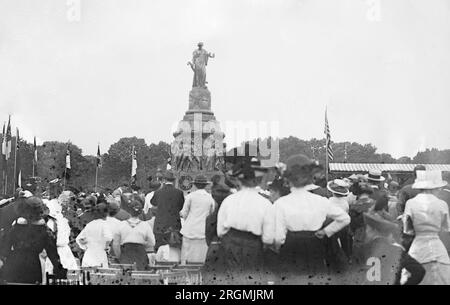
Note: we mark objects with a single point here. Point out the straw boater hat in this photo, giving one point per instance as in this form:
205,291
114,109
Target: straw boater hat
338,186
428,180
375,175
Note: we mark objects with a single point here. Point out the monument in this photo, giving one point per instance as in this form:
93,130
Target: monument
198,146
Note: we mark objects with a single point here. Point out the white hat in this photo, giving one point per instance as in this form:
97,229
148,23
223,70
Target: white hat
338,186
25,194
375,175
428,180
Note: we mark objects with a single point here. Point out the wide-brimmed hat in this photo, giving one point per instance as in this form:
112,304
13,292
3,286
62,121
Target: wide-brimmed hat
300,168
338,186
31,208
431,179
380,224
200,44
248,168
201,179
375,175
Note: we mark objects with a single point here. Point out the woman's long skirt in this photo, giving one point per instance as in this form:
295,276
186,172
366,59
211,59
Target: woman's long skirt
436,274
193,250
302,259
243,258
132,253
214,269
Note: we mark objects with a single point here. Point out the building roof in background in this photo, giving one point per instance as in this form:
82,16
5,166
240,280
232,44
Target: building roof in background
384,167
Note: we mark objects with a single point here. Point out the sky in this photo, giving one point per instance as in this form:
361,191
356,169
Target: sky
95,71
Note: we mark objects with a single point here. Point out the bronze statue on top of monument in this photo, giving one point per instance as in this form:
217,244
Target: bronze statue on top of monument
198,65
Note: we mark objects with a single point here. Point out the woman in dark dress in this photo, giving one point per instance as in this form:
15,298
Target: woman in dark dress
25,241
214,263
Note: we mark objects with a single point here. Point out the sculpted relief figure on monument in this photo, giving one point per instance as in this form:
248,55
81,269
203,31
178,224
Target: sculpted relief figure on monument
198,65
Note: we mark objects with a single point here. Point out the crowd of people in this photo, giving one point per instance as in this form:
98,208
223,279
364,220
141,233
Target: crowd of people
296,229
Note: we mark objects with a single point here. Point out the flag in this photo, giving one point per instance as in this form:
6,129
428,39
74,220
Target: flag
17,138
68,158
169,162
35,150
68,167
19,179
328,138
17,171
8,139
133,164
99,157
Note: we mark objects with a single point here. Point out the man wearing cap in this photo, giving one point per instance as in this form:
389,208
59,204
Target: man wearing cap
197,206
407,192
383,261
169,202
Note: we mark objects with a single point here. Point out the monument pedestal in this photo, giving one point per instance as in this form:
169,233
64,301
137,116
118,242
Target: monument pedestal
198,146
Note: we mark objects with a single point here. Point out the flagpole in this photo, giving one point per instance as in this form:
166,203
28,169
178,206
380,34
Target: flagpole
15,164
64,183
96,178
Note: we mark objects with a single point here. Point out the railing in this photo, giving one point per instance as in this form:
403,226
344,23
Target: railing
125,274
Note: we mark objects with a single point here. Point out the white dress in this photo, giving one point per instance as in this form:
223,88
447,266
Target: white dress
94,239
430,216
62,242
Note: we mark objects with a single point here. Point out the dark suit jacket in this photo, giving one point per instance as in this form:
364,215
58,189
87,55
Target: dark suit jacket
406,193
169,202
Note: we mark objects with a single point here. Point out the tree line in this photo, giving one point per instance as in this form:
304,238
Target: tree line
116,162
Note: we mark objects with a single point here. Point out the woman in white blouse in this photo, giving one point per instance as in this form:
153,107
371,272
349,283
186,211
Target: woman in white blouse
95,239
299,225
244,224
134,237
429,216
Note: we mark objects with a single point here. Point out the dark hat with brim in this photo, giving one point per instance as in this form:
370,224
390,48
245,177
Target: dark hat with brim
300,167
380,224
201,179
248,168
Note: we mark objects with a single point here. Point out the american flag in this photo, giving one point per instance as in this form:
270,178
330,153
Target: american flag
328,138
